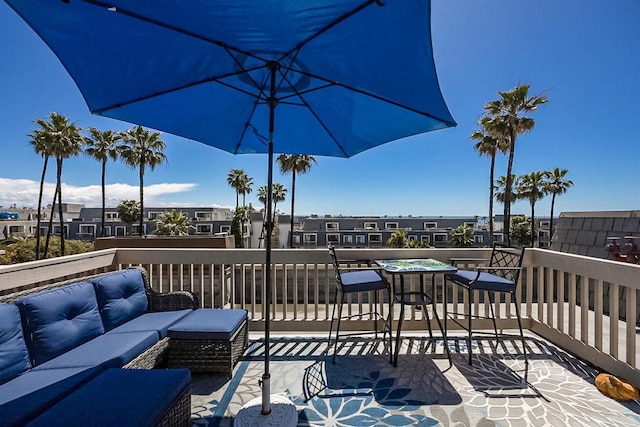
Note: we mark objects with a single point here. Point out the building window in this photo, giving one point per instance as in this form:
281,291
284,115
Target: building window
135,229
204,216
87,229
204,228
153,215
111,215
471,225
370,225
296,239
375,238
543,245
107,230
310,239
225,229
440,238
391,225
16,228
413,238
428,225
545,224
121,230
347,239
478,238
498,238
333,238
333,226
543,234
360,239
426,238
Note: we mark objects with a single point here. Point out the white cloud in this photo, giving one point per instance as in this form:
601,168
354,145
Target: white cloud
24,192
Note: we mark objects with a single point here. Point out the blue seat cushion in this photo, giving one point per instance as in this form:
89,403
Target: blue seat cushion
157,321
359,281
59,319
119,397
28,395
121,296
108,351
486,281
209,323
14,356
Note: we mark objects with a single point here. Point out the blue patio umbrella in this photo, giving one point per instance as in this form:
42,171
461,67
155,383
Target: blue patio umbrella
318,77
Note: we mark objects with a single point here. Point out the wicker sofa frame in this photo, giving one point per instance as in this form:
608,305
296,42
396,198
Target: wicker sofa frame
156,355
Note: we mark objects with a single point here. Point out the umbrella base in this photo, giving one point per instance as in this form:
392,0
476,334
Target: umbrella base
283,413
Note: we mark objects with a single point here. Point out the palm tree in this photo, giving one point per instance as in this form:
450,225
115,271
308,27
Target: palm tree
398,239
500,194
556,183
531,187
245,187
102,146
237,178
129,211
508,118
462,236
41,143
64,141
279,194
296,164
489,145
172,223
142,148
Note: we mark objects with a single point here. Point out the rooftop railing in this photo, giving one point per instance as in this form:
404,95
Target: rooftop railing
587,306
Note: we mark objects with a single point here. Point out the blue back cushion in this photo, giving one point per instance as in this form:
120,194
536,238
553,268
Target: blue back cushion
121,297
14,356
60,319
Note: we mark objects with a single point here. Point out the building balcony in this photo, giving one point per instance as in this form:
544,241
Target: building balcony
580,315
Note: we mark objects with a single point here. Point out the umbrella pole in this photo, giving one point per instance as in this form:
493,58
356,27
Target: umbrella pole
266,377
284,412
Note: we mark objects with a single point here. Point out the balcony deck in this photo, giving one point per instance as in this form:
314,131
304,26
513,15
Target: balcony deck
363,388
580,313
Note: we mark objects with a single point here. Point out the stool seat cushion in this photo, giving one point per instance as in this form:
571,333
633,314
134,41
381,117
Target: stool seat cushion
204,323
486,281
360,281
119,397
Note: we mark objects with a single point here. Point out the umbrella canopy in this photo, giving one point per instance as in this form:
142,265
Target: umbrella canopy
330,77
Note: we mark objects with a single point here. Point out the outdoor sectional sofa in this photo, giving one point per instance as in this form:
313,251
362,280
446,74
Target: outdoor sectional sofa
62,342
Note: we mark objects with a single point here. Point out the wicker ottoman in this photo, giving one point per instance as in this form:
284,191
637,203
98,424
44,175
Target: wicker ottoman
208,340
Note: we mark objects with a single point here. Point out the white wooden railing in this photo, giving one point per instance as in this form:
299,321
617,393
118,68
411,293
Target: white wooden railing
571,300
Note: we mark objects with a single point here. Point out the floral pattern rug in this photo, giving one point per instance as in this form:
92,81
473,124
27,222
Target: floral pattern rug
363,389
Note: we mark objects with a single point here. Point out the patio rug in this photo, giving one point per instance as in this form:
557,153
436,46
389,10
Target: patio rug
363,389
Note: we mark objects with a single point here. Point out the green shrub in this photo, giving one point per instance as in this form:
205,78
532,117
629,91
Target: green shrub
24,250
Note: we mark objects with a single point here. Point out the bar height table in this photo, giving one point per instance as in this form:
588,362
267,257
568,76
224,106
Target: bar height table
400,268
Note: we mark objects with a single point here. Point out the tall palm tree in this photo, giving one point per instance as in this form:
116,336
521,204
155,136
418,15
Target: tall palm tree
102,146
508,118
500,191
143,149
236,179
531,187
41,144
489,145
64,140
245,187
279,194
556,183
296,164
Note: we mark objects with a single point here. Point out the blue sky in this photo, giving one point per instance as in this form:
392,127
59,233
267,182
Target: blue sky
584,54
